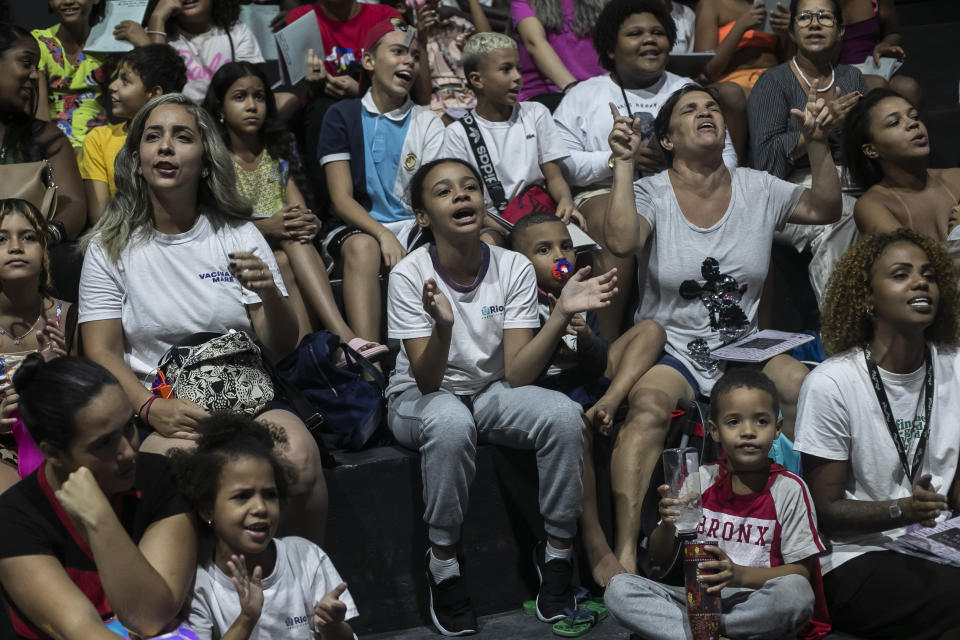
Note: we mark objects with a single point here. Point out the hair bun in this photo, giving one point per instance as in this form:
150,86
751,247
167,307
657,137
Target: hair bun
24,375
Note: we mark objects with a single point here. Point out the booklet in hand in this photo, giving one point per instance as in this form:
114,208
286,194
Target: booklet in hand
293,41
101,38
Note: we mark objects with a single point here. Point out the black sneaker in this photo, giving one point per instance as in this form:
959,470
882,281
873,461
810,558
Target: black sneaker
450,607
556,586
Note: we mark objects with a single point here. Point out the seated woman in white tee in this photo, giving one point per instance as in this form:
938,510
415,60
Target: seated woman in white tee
878,429
710,230
175,253
638,85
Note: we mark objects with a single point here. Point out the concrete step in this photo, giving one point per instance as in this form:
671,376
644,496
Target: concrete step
512,625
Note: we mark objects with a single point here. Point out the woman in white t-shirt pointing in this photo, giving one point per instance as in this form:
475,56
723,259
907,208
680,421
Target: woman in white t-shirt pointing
710,229
175,253
879,431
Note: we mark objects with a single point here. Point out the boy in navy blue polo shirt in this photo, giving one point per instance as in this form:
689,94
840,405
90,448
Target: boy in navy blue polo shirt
370,148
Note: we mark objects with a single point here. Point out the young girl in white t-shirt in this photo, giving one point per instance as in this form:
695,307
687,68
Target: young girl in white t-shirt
466,313
250,584
207,33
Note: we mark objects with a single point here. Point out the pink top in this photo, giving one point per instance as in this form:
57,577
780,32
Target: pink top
576,53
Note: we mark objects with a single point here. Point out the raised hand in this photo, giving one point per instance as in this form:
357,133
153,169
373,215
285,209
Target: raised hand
815,119
752,18
582,294
840,107
427,16
624,138
132,32
81,497
330,610
51,341
437,304
251,272
166,9
316,69
780,19
248,586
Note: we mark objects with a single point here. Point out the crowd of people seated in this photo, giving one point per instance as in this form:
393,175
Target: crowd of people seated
541,238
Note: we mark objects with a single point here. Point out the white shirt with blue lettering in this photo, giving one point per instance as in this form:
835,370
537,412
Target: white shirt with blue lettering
503,296
166,287
301,577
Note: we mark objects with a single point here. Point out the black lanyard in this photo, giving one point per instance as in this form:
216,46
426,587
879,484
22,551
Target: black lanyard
626,102
877,382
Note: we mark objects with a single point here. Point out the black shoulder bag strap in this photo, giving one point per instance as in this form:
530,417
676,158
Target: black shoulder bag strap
487,171
877,382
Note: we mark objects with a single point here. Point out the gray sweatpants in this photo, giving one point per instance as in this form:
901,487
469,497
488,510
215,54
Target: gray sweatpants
779,609
444,430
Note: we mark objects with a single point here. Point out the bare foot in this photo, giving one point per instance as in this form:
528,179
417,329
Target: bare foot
600,416
606,568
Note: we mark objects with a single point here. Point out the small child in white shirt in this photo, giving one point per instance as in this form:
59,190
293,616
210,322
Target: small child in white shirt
251,584
519,147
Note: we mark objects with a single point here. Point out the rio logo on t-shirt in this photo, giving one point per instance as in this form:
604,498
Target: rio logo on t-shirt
491,311
296,621
216,276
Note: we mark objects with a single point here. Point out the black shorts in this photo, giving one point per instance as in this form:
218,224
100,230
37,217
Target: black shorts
883,594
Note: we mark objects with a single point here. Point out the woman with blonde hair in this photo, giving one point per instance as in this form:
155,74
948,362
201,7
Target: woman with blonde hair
175,253
887,459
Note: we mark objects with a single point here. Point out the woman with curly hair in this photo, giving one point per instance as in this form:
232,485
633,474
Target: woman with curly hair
207,33
877,428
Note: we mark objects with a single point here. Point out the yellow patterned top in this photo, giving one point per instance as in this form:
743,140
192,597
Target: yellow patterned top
265,186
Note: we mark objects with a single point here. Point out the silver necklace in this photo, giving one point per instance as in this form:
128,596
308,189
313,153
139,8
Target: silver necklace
17,339
833,76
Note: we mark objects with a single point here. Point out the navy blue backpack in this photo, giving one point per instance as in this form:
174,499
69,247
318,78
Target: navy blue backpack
347,410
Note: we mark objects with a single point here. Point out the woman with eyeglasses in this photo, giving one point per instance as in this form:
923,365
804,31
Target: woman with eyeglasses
776,142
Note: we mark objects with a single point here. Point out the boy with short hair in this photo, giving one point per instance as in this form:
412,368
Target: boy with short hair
143,73
370,148
762,518
520,139
598,375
